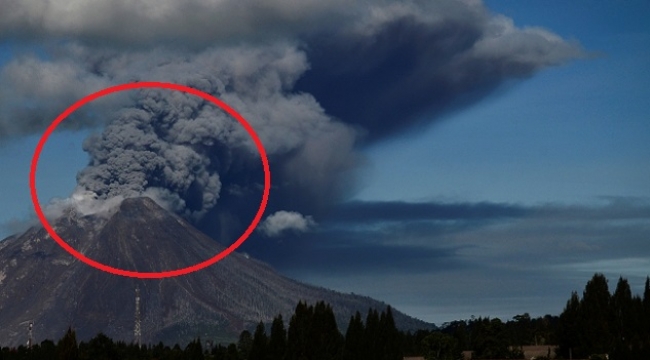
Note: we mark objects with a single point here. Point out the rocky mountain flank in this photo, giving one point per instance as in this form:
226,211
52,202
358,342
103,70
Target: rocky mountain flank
40,282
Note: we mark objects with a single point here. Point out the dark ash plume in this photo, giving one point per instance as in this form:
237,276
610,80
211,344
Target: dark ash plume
310,88
405,64
187,153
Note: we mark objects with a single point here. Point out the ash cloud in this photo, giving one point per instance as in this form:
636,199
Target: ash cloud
315,90
194,23
183,151
382,66
406,64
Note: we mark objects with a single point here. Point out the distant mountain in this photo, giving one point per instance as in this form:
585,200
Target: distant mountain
39,281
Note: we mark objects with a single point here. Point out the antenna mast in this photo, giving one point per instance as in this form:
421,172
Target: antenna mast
30,334
137,331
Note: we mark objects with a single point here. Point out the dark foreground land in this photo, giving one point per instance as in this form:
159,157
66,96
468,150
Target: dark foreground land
590,327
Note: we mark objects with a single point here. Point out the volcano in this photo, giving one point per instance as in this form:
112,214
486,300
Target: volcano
40,282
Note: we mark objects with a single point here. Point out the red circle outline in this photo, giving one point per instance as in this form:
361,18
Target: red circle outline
137,274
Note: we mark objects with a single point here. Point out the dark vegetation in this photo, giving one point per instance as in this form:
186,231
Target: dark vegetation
598,323
602,323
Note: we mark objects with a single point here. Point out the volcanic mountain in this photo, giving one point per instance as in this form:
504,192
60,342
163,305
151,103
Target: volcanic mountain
40,282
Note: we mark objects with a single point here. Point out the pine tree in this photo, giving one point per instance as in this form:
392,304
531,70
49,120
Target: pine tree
623,325
646,293
298,341
101,347
570,323
389,336
278,340
47,350
244,344
259,348
597,316
371,335
354,336
645,315
646,304
67,348
327,342
194,350
176,353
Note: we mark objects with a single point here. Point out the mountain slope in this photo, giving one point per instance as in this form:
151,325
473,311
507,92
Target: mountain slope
39,281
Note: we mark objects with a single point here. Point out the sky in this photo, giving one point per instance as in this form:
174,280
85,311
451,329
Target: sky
454,159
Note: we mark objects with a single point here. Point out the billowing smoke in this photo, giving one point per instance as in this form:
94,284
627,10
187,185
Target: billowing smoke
405,64
140,152
313,89
183,151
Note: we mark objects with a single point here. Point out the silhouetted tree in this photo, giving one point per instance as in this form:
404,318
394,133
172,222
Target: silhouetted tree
353,348
439,346
47,350
490,341
326,340
569,329
232,353
278,340
176,353
624,325
259,349
313,333
596,316
520,330
604,324
298,341
67,348
194,350
371,335
245,344
98,348
158,351
645,314
389,336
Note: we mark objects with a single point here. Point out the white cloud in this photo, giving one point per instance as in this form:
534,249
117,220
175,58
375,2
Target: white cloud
282,221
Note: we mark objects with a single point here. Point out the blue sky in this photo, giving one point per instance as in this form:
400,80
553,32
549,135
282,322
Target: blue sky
574,135
569,134
515,199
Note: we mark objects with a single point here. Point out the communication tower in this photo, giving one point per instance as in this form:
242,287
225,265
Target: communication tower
30,334
137,331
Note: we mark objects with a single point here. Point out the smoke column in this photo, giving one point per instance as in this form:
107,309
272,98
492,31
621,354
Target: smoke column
315,90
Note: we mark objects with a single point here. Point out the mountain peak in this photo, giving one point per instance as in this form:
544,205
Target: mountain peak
141,206
142,236
41,282
139,201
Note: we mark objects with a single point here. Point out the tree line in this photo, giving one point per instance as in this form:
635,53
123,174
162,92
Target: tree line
487,338
599,323
597,326
312,334
617,324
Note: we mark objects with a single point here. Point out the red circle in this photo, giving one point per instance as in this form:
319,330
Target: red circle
137,274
